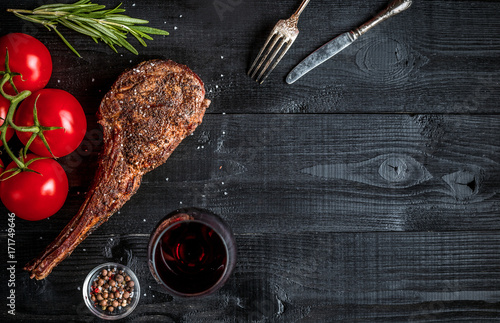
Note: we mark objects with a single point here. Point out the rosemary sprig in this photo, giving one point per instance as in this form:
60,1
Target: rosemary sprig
85,17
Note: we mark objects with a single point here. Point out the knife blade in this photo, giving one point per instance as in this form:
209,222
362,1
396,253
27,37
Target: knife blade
321,55
336,45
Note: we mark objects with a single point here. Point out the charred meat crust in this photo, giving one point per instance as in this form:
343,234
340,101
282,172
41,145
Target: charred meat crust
149,110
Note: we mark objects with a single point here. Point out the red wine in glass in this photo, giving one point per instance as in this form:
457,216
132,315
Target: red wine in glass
192,252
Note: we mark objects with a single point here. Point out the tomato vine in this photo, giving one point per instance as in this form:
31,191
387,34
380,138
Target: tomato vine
36,129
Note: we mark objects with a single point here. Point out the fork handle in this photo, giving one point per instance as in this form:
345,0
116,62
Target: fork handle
302,6
395,7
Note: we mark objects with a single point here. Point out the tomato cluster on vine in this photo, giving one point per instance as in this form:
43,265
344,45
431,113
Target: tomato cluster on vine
49,122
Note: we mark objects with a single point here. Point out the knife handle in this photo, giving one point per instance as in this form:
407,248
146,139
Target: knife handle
396,6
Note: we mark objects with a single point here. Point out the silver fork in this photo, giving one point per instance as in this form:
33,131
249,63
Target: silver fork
285,31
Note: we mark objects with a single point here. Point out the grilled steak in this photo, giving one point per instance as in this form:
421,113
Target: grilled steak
149,110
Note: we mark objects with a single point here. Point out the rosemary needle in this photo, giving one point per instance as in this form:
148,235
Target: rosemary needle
85,17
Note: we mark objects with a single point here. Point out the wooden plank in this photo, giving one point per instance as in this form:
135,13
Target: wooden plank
437,57
270,173
297,277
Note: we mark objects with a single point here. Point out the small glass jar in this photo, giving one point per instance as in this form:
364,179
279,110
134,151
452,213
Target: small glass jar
88,290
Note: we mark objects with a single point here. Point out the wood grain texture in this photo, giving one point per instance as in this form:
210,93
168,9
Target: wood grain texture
321,172
366,192
300,277
439,56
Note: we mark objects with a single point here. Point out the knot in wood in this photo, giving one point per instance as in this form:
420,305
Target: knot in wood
393,169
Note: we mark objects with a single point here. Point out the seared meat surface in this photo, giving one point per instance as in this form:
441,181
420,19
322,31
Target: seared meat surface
149,110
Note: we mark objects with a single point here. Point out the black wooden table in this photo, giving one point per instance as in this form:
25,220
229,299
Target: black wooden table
366,191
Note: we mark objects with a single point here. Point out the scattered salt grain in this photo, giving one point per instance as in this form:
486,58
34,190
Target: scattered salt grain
222,57
78,288
144,220
175,27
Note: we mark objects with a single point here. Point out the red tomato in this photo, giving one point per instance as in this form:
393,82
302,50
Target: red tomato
28,56
33,196
55,108
4,108
1,166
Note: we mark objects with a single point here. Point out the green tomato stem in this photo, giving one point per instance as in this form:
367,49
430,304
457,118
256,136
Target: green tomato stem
14,101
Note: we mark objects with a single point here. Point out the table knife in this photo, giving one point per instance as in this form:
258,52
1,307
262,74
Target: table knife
336,45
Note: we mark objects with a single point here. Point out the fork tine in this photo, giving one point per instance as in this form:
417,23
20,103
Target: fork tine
271,59
259,56
264,57
283,52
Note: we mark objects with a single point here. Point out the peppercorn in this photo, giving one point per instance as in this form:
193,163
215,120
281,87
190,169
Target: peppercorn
111,290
